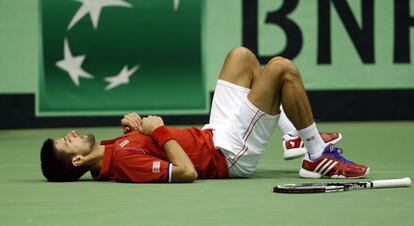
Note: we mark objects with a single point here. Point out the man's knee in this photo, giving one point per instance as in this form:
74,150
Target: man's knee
241,67
282,63
283,68
244,56
241,52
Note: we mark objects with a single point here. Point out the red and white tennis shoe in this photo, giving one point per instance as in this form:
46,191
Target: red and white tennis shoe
293,147
332,164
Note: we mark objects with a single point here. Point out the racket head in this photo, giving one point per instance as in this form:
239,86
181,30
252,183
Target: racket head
305,188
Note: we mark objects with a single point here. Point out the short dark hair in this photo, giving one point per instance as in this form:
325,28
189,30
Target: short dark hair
57,166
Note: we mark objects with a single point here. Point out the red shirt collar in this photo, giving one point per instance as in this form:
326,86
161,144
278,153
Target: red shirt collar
107,159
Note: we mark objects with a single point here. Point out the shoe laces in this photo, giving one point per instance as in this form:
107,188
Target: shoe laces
337,153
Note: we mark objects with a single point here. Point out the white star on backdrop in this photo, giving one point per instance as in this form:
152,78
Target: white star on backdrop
176,4
121,78
94,7
72,65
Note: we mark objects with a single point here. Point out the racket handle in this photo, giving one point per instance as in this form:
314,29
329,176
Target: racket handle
406,181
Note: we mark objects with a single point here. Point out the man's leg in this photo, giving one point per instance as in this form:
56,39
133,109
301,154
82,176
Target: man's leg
240,67
236,77
292,144
280,84
240,130
285,125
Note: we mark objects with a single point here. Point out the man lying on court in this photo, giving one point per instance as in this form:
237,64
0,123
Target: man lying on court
244,114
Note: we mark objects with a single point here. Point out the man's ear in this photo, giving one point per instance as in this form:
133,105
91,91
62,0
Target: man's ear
78,160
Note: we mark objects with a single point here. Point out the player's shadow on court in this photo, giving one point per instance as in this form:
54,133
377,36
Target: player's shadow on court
274,173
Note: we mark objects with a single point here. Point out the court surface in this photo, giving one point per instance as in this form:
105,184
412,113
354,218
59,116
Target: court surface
26,199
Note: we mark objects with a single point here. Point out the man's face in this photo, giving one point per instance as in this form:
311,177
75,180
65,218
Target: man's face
73,143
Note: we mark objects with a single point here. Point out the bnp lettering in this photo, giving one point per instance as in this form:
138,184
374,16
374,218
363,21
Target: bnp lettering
362,36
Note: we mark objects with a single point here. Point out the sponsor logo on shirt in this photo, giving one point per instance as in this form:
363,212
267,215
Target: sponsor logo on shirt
156,166
123,143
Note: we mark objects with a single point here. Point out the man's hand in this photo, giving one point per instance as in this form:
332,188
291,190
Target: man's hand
131,122
150,123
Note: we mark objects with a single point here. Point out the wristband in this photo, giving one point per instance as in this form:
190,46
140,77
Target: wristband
161,135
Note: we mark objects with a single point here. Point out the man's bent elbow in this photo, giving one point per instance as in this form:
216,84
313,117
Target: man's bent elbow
191,176
184,175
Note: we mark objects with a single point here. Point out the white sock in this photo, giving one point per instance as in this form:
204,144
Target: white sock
312,140
285,125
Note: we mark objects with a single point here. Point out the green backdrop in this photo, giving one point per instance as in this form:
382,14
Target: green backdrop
162,45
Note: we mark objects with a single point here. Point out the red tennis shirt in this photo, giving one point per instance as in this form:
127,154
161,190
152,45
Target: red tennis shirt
135,157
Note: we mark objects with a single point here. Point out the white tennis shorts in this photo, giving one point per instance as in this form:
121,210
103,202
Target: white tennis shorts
240,130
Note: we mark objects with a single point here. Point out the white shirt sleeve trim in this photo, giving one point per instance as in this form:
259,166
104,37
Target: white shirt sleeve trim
169,173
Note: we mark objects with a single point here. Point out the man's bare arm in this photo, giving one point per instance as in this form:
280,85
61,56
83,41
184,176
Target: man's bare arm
182,168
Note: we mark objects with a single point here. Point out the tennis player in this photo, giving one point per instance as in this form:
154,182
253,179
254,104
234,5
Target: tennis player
245,112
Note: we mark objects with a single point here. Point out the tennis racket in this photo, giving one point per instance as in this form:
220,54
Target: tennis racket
337,187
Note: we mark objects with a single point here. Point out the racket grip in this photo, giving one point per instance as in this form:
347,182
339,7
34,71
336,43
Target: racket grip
406,181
